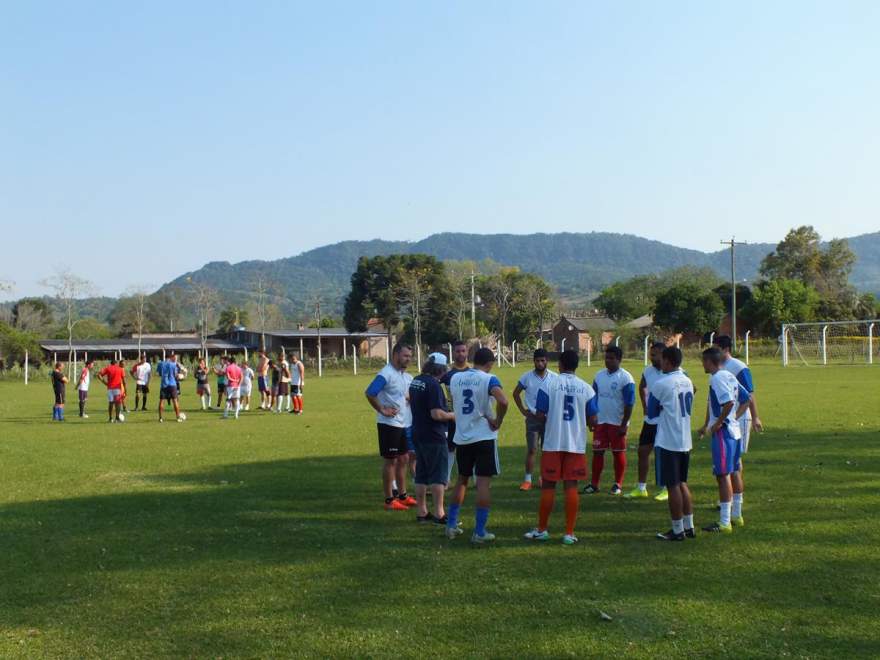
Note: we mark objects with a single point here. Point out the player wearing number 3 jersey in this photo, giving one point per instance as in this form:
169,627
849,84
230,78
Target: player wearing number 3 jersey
569,406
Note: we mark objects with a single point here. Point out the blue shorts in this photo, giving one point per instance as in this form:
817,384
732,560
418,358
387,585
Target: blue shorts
261,384
725,452
410,445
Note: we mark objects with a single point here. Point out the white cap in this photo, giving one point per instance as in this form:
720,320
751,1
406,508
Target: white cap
438,358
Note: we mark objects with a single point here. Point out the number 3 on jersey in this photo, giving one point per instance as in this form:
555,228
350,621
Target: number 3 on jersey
468,406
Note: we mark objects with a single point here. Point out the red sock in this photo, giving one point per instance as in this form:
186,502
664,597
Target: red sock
548,497
572,502
619,467
598,466
297,404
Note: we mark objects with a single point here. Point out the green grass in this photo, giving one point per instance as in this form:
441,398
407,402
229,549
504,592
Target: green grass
265,538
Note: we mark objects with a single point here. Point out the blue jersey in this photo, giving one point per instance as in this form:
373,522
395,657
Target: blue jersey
472,404
167,371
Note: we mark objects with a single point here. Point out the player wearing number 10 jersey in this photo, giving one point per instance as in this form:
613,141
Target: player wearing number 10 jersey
569,406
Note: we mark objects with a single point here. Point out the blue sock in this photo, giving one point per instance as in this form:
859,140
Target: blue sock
452,515
482,519
55,413
61,414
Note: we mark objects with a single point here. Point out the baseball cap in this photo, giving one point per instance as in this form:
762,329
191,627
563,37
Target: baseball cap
438,358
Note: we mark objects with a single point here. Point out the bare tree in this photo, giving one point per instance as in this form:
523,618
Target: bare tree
68,288
205,299
139,294
262,288
459,274
538,303
499,289
414,298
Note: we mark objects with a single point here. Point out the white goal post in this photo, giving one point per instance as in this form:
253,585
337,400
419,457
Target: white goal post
830,342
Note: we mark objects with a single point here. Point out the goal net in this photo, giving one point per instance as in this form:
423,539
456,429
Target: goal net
831,342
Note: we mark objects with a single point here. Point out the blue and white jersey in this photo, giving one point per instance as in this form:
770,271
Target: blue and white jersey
651,374
724,388
615,390
473,405
391,388
743,374
568,402
531,382
671,401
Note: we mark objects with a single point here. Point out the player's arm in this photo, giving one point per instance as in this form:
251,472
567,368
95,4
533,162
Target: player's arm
592,413
501,405
745,379
302,374
643,395
722,417
629,401
438,406
517,399
372,394
705,427
744,401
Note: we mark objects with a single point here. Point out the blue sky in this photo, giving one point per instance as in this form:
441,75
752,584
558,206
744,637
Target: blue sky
139,141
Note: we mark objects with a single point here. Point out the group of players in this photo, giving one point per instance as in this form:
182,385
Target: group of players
280,384
452,413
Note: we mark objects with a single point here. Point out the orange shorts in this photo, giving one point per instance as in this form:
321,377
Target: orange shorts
563,466
607,436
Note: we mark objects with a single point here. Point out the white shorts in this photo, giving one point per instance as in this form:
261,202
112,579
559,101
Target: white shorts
745,429
233,392
113,395
246,389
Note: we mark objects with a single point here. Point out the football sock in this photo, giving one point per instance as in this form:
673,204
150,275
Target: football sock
528,478
737,508
61,414
678,526
572,502
237,407
643,486
82,408
598,466
452,515
482,517
545,508
725,513
54,413
688,521
619,466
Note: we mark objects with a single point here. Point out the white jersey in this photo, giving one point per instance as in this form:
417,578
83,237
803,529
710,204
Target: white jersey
473,405
724,388
614,392
143,373
530,382
568,402
407,409
651,374
86,377
671,401
247,377
391,388
743,375
295,378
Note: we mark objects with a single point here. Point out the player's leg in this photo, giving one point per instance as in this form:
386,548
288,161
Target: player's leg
420,481
618,453
601,442
646,444
486,467
531,450
671,470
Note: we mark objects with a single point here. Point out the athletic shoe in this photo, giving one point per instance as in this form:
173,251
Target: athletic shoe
181,419
738,521
718,527
161,421
409,501
615,490
662,496
537,535
670,536
525,485
427,518
396,505
440,521
691,533
487,537
636,492
589,489
452,532
84,416
569,539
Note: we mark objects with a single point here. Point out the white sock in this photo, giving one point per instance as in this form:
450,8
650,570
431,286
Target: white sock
688,521
237,408
725,513
737,508
678,526
226,411
394,484
202,399
528,477
209,401
643,486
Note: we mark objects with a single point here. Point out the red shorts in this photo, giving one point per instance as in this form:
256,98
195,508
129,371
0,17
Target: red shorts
563,466
607,436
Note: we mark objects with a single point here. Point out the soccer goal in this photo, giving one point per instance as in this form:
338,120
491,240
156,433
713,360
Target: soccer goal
830,342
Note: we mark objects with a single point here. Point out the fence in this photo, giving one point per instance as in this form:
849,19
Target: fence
830,342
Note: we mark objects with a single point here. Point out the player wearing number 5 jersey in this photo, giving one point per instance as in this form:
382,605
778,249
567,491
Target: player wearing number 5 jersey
670,402
568,405
476,438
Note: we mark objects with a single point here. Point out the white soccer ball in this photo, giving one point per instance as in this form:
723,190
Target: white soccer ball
183,416
121,417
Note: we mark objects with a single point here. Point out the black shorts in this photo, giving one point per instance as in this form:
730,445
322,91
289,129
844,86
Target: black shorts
480,458
59,397
169,393
392,441
673,466
143,389
432,463
83,395
649,432
284,389
296,390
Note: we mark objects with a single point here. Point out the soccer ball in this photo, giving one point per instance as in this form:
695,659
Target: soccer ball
121,417
183,416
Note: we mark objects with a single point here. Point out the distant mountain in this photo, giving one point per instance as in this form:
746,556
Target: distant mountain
579,265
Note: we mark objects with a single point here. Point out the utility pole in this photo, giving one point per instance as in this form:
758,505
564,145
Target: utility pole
318,320
473,308
733,243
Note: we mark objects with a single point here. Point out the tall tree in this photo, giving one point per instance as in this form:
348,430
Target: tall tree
688,307
32,315
262,288
68,287
779,301
231,317
205,300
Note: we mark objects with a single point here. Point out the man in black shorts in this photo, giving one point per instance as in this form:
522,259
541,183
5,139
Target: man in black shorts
429,417
459,364
59,387
649,427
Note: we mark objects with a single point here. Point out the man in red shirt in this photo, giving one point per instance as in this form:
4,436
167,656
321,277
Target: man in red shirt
112,376
233,387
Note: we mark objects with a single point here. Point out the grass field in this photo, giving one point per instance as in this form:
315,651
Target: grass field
265,537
